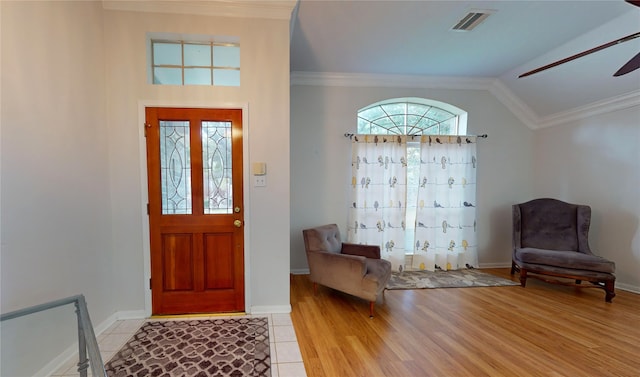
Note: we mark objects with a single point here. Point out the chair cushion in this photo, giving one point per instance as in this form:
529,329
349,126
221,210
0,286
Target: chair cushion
566,259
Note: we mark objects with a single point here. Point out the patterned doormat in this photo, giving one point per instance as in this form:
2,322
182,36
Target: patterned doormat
196,348
445,279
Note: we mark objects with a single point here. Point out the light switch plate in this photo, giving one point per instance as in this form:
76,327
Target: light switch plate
260,180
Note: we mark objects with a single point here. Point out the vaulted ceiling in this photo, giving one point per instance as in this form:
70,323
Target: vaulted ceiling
413,41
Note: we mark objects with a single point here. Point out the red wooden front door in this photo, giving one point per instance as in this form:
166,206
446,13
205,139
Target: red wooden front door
194,169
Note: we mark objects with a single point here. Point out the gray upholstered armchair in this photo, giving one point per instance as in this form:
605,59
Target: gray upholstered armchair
550,237
350,268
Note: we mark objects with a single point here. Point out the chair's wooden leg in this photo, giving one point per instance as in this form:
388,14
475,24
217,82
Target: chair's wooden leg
523,277
513,267
609,288
371,305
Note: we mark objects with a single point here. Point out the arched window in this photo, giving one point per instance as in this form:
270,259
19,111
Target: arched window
411,116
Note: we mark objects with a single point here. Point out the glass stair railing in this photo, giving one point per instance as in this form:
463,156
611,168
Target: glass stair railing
87,342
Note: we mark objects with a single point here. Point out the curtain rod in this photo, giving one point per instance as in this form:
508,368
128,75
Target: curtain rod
483,136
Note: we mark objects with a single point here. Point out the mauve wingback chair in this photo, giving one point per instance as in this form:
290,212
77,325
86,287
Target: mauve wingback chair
350,268
550,237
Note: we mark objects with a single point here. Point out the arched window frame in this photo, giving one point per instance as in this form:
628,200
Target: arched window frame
411,116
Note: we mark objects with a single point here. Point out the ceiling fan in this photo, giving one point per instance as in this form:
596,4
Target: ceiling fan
630,66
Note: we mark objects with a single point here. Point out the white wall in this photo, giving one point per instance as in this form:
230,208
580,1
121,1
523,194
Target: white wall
597,162
264,91
56,215
320,160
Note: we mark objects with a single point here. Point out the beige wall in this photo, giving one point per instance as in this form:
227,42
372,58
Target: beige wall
73,171
56,214
264,93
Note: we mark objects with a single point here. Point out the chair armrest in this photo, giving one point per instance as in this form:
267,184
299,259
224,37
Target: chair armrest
368,251
328,267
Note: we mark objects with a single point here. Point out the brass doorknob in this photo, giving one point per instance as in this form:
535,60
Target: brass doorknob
237,223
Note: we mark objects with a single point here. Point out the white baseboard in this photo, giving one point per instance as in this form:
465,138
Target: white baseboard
72,351
300,271
57,363
131,314
628,288
270,309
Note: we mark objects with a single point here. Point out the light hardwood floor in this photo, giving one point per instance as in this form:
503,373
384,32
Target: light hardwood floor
540,330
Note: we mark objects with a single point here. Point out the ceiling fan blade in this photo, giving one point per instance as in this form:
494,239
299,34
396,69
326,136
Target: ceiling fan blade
584,53
630,66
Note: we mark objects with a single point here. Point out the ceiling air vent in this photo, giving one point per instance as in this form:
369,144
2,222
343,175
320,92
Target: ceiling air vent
471,20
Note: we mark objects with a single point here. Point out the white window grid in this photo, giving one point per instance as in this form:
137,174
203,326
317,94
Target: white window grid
182,67
405,127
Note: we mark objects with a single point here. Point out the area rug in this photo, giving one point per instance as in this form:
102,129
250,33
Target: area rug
196,348
445,279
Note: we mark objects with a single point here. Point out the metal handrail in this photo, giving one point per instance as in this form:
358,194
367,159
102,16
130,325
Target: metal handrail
86,337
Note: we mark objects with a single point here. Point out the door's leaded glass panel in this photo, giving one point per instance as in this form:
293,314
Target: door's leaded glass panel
216,158
175,167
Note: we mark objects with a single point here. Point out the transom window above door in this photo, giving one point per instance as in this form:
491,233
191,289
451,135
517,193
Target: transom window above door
195,63
411,116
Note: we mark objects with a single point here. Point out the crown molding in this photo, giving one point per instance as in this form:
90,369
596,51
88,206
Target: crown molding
504,95
389,81
495,86
271,9
520,109
621,102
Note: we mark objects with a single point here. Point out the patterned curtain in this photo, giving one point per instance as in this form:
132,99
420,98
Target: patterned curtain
445,236
378,188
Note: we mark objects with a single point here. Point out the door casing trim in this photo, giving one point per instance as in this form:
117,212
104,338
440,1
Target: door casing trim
142,149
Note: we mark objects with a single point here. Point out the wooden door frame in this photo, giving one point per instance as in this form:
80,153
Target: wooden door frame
142,144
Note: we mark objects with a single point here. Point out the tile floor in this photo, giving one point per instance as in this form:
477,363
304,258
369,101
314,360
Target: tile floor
286,359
